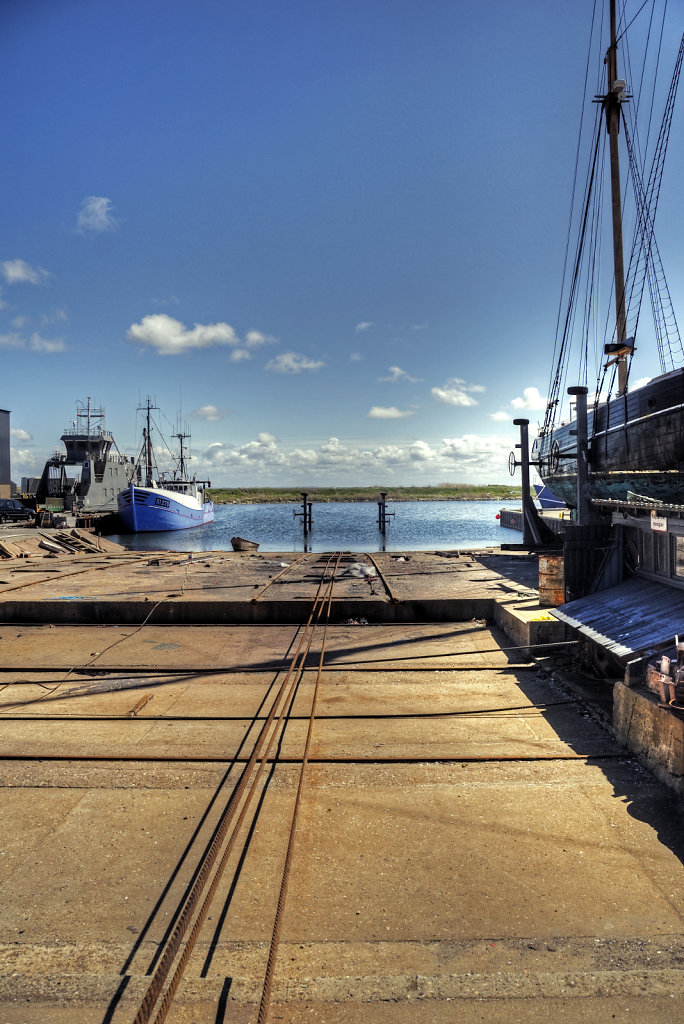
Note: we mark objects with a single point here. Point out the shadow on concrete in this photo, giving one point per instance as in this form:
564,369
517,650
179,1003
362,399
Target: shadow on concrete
645,798
112,681
520,569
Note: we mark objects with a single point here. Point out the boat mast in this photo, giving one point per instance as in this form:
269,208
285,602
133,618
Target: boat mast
147,443
181,459
612,102
87,414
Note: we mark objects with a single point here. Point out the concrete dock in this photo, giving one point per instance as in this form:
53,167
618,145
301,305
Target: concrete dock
471,844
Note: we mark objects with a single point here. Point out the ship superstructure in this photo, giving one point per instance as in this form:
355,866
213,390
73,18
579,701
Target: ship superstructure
91,473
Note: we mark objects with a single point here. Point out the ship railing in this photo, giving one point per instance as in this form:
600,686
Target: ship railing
98,434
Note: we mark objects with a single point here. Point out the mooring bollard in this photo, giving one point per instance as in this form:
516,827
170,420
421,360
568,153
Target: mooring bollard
306,515
383,514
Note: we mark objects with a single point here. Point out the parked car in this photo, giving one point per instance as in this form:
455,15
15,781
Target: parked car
12,510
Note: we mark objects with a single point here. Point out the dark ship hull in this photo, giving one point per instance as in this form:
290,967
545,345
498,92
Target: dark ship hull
636,447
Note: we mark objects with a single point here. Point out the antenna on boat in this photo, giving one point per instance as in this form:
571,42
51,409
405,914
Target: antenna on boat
181,458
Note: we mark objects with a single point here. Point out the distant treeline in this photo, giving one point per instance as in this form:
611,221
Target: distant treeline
442,492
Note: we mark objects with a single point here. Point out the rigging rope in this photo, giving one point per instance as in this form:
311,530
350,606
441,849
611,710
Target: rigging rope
645,264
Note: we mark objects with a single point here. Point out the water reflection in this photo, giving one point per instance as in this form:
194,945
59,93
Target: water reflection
335,526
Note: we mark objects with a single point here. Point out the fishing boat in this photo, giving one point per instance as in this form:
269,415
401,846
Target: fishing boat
631,438
164,502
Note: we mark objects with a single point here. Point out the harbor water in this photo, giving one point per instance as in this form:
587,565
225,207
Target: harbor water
340,526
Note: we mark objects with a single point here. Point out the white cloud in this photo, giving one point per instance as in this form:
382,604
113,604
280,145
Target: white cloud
378,412
420,451
26,462
19,434
254,339
355,357
531,400
262,452
11,340
57,316
210,413
47,345
170,337
363,326
35,342
457,392
292,362
96,215
474,446
472,458
501,416
20,272
396,373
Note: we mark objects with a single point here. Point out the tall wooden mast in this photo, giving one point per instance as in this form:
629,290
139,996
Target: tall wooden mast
612,100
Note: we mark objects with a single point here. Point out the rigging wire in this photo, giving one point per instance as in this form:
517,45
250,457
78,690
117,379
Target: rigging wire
575,178
162,454
633,19
582,324
554,396
645,262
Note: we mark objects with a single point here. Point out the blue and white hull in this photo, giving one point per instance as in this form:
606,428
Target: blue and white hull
153,509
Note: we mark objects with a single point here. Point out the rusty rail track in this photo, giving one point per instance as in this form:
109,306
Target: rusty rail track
178,948
383,579
265,1003
277,577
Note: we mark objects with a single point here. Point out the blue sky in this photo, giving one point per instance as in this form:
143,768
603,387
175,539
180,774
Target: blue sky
330,233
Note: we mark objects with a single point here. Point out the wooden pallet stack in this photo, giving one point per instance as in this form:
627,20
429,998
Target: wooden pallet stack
61,542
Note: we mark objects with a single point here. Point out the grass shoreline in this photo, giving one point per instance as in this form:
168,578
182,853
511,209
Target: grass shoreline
288,495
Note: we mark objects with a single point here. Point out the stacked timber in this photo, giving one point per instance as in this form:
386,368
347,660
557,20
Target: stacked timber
64,542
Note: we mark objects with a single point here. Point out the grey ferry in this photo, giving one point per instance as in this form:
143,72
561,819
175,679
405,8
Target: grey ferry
90,474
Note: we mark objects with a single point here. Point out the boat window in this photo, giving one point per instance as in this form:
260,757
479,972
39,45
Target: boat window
661,550
646,552
678,556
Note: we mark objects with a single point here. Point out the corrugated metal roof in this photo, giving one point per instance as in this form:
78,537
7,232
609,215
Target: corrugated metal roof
629,619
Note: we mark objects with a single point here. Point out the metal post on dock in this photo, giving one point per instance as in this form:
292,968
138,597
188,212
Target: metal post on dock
584,511
383,514
531,534
306,514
